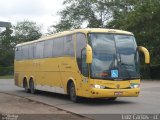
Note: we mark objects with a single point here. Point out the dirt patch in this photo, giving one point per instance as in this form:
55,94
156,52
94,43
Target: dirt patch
18,108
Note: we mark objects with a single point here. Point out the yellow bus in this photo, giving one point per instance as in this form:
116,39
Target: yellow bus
90,63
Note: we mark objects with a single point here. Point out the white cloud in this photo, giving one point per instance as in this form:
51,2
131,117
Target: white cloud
43,12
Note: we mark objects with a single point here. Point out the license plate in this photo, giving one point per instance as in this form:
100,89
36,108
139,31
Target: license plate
118,93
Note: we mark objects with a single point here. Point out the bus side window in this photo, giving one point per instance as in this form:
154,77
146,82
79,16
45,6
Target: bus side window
84,64
58,47
69,45
31,51
18,53
48,48
39,49
25,52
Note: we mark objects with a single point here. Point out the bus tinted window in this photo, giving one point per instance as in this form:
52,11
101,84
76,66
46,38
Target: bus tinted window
58,47
69,45
18,53
25,52
39,49
48,48
31,51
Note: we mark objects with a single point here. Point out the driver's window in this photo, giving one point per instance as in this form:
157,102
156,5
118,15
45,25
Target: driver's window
80,45
84,64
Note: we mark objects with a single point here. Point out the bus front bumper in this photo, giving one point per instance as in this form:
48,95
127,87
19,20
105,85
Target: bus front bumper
104,93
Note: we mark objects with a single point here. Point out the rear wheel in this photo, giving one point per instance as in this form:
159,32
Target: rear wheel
72,93
32,87
25,85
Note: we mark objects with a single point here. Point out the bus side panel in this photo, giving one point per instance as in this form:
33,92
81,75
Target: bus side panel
69,71
48,77
21,71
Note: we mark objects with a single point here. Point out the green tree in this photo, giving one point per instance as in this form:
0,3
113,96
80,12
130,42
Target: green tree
26,31
88,13
23,31
6,48
6,51
143,21
93,13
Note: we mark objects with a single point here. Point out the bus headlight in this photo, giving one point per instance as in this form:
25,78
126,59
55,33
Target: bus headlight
134,85
98,86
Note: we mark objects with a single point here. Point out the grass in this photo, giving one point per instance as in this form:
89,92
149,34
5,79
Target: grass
6,77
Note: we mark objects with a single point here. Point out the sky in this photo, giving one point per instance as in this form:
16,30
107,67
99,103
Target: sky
43,12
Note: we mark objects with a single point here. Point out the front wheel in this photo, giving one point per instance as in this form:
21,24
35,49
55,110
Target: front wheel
72,93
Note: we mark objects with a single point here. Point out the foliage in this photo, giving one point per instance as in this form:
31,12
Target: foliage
6,70
7,77
154,71
92,13
6,48
80,13
22,32
26,31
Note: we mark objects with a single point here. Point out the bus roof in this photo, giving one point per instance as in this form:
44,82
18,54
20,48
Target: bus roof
85,30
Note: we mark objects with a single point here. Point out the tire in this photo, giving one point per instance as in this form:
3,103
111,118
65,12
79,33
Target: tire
32,87
112,98
72,93
25,84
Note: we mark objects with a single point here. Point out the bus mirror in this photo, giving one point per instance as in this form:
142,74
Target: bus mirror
88,54
146,54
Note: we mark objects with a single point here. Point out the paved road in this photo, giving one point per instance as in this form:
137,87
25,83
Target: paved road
147,102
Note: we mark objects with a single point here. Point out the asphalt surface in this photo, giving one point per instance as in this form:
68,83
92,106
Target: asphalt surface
148,101
19,108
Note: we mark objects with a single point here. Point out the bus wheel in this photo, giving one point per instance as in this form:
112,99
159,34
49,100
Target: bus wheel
25,85
72,92
31,86
112,98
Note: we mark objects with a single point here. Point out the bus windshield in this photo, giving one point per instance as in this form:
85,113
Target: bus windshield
115,56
